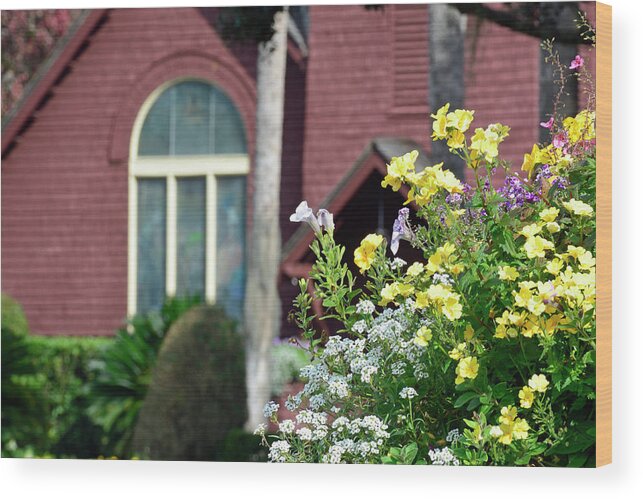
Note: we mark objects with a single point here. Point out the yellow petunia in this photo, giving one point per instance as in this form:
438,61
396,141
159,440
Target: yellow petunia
536,246
415,270
578,208
549,214
467,369
526,396
507,273
365,253
423,336
538,383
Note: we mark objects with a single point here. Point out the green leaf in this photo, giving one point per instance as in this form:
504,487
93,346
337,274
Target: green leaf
464,398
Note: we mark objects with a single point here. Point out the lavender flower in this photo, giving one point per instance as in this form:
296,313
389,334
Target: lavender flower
304,214
401,230
325,219
516,193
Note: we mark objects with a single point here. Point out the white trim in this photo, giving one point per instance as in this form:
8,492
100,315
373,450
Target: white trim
170,237
189,166
171,168
132,249
211,239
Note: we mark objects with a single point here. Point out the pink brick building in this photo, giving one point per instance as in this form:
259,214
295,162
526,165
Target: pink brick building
87,161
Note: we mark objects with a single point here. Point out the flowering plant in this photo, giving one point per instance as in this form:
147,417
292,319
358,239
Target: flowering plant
483,350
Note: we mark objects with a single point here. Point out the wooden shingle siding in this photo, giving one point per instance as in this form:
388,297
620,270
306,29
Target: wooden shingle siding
410,57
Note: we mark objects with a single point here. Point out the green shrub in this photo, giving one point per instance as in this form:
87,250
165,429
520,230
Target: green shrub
44,382
123,374
240,446
198,394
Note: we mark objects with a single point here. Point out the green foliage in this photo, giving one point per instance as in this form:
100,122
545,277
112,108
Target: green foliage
240,446
123,375
247,24
197,395
287,360
44,390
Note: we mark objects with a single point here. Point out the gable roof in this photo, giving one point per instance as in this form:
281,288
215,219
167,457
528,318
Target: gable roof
373,158
68,48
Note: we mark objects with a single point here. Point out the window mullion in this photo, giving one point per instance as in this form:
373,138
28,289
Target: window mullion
132,258
171,241
210,239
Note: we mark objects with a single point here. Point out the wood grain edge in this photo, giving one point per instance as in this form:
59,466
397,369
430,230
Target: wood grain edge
603,234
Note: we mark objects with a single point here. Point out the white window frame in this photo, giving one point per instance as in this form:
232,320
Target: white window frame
171,168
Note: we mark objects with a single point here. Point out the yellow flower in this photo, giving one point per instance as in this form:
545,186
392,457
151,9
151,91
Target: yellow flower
536,246
508,414
578,208
405,290
549,215
586,261
399,169
529,160
455,139
467,368
552,227
468,332
554,266
415,270
440,123
365,253
523,296
451,307
530,230
520,429
538,383
485,143
507,273
421,299
460,119
580,127
576,251
526,396
423,336
457,352
388,293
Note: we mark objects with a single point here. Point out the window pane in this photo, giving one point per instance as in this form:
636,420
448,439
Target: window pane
190,232
192,118
150,267
229,135
231,244
155,135
192,126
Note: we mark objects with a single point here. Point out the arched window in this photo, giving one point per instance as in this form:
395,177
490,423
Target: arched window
188,167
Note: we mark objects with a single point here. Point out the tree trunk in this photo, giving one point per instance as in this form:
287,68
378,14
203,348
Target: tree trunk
446,72
262,304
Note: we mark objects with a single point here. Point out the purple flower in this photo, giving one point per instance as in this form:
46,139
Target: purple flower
516,193
401,230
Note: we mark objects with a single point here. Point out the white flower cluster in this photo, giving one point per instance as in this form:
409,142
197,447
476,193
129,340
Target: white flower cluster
279,451
365,307
444,279
342,368
408,393
397,263
453,436
443,457
270,409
